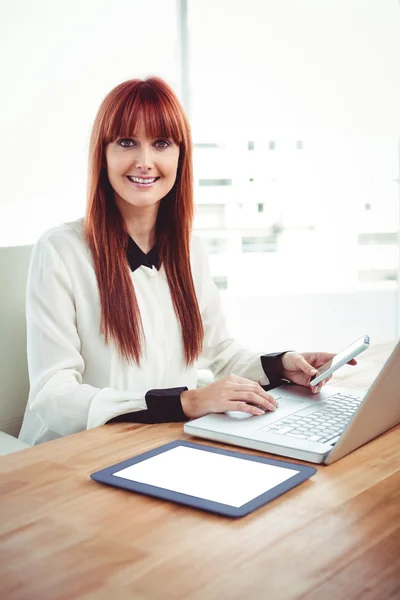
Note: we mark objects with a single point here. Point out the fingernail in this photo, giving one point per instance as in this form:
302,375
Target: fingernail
313,372
260,411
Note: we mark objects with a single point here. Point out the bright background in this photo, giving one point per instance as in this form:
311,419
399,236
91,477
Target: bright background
294,106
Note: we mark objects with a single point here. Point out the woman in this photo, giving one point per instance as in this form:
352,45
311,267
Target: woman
121,307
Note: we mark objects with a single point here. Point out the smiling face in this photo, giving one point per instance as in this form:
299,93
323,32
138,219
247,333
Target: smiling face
141,170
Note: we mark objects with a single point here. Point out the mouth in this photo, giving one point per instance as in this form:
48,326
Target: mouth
143,182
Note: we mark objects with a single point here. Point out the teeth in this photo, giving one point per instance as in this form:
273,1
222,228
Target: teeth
140,180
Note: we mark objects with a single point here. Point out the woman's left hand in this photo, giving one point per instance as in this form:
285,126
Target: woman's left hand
300,368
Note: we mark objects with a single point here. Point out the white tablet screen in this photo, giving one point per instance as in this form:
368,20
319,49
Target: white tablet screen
208,475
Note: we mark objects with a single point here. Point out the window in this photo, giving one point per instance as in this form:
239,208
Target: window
221,282
294,169
215,182
378,275
215,245
390,238
210,216
259,244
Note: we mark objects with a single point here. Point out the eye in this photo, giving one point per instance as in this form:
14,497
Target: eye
162,143
126,143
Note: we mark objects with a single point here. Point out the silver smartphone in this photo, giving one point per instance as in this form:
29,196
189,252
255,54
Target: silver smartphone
341,359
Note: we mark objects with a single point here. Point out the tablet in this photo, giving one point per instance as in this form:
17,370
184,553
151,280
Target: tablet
212,479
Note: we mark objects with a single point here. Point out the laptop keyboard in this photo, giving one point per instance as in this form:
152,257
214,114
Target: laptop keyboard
325,424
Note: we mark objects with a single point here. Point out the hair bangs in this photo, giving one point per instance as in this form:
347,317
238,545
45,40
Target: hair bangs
152,107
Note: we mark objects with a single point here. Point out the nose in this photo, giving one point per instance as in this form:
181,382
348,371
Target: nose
143,159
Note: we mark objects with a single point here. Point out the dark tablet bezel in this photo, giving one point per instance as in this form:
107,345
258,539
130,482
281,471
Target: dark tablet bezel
107,477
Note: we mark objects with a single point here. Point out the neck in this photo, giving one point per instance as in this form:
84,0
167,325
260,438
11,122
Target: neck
140,223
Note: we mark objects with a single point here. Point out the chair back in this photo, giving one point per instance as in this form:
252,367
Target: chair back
14,379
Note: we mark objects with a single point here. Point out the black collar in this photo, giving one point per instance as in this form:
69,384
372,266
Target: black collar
136,257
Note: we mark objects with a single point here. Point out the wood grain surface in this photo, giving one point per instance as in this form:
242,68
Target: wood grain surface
63,536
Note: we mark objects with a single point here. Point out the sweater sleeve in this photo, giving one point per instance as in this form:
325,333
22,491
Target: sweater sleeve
57,395
163,406
272,366
222,354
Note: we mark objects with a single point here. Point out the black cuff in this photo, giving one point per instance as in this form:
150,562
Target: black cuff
163,406
272,366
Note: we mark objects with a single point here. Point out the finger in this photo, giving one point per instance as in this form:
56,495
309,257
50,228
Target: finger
305,366
352,362
257,389
246,408
252,398
317,359
316,388
252,386
237,379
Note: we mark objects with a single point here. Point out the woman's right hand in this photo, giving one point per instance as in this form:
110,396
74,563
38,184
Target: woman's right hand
230,393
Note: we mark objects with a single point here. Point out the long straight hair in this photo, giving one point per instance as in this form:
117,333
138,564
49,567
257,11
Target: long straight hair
153,102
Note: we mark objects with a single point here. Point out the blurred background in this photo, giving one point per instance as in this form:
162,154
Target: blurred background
295,114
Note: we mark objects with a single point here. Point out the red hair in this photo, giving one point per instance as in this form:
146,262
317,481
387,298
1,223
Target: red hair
152,101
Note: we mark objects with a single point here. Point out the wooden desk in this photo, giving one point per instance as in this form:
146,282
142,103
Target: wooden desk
62,536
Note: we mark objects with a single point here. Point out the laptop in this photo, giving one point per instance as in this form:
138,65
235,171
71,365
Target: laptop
318,428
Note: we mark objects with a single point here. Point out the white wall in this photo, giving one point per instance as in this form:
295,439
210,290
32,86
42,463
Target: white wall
59,58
